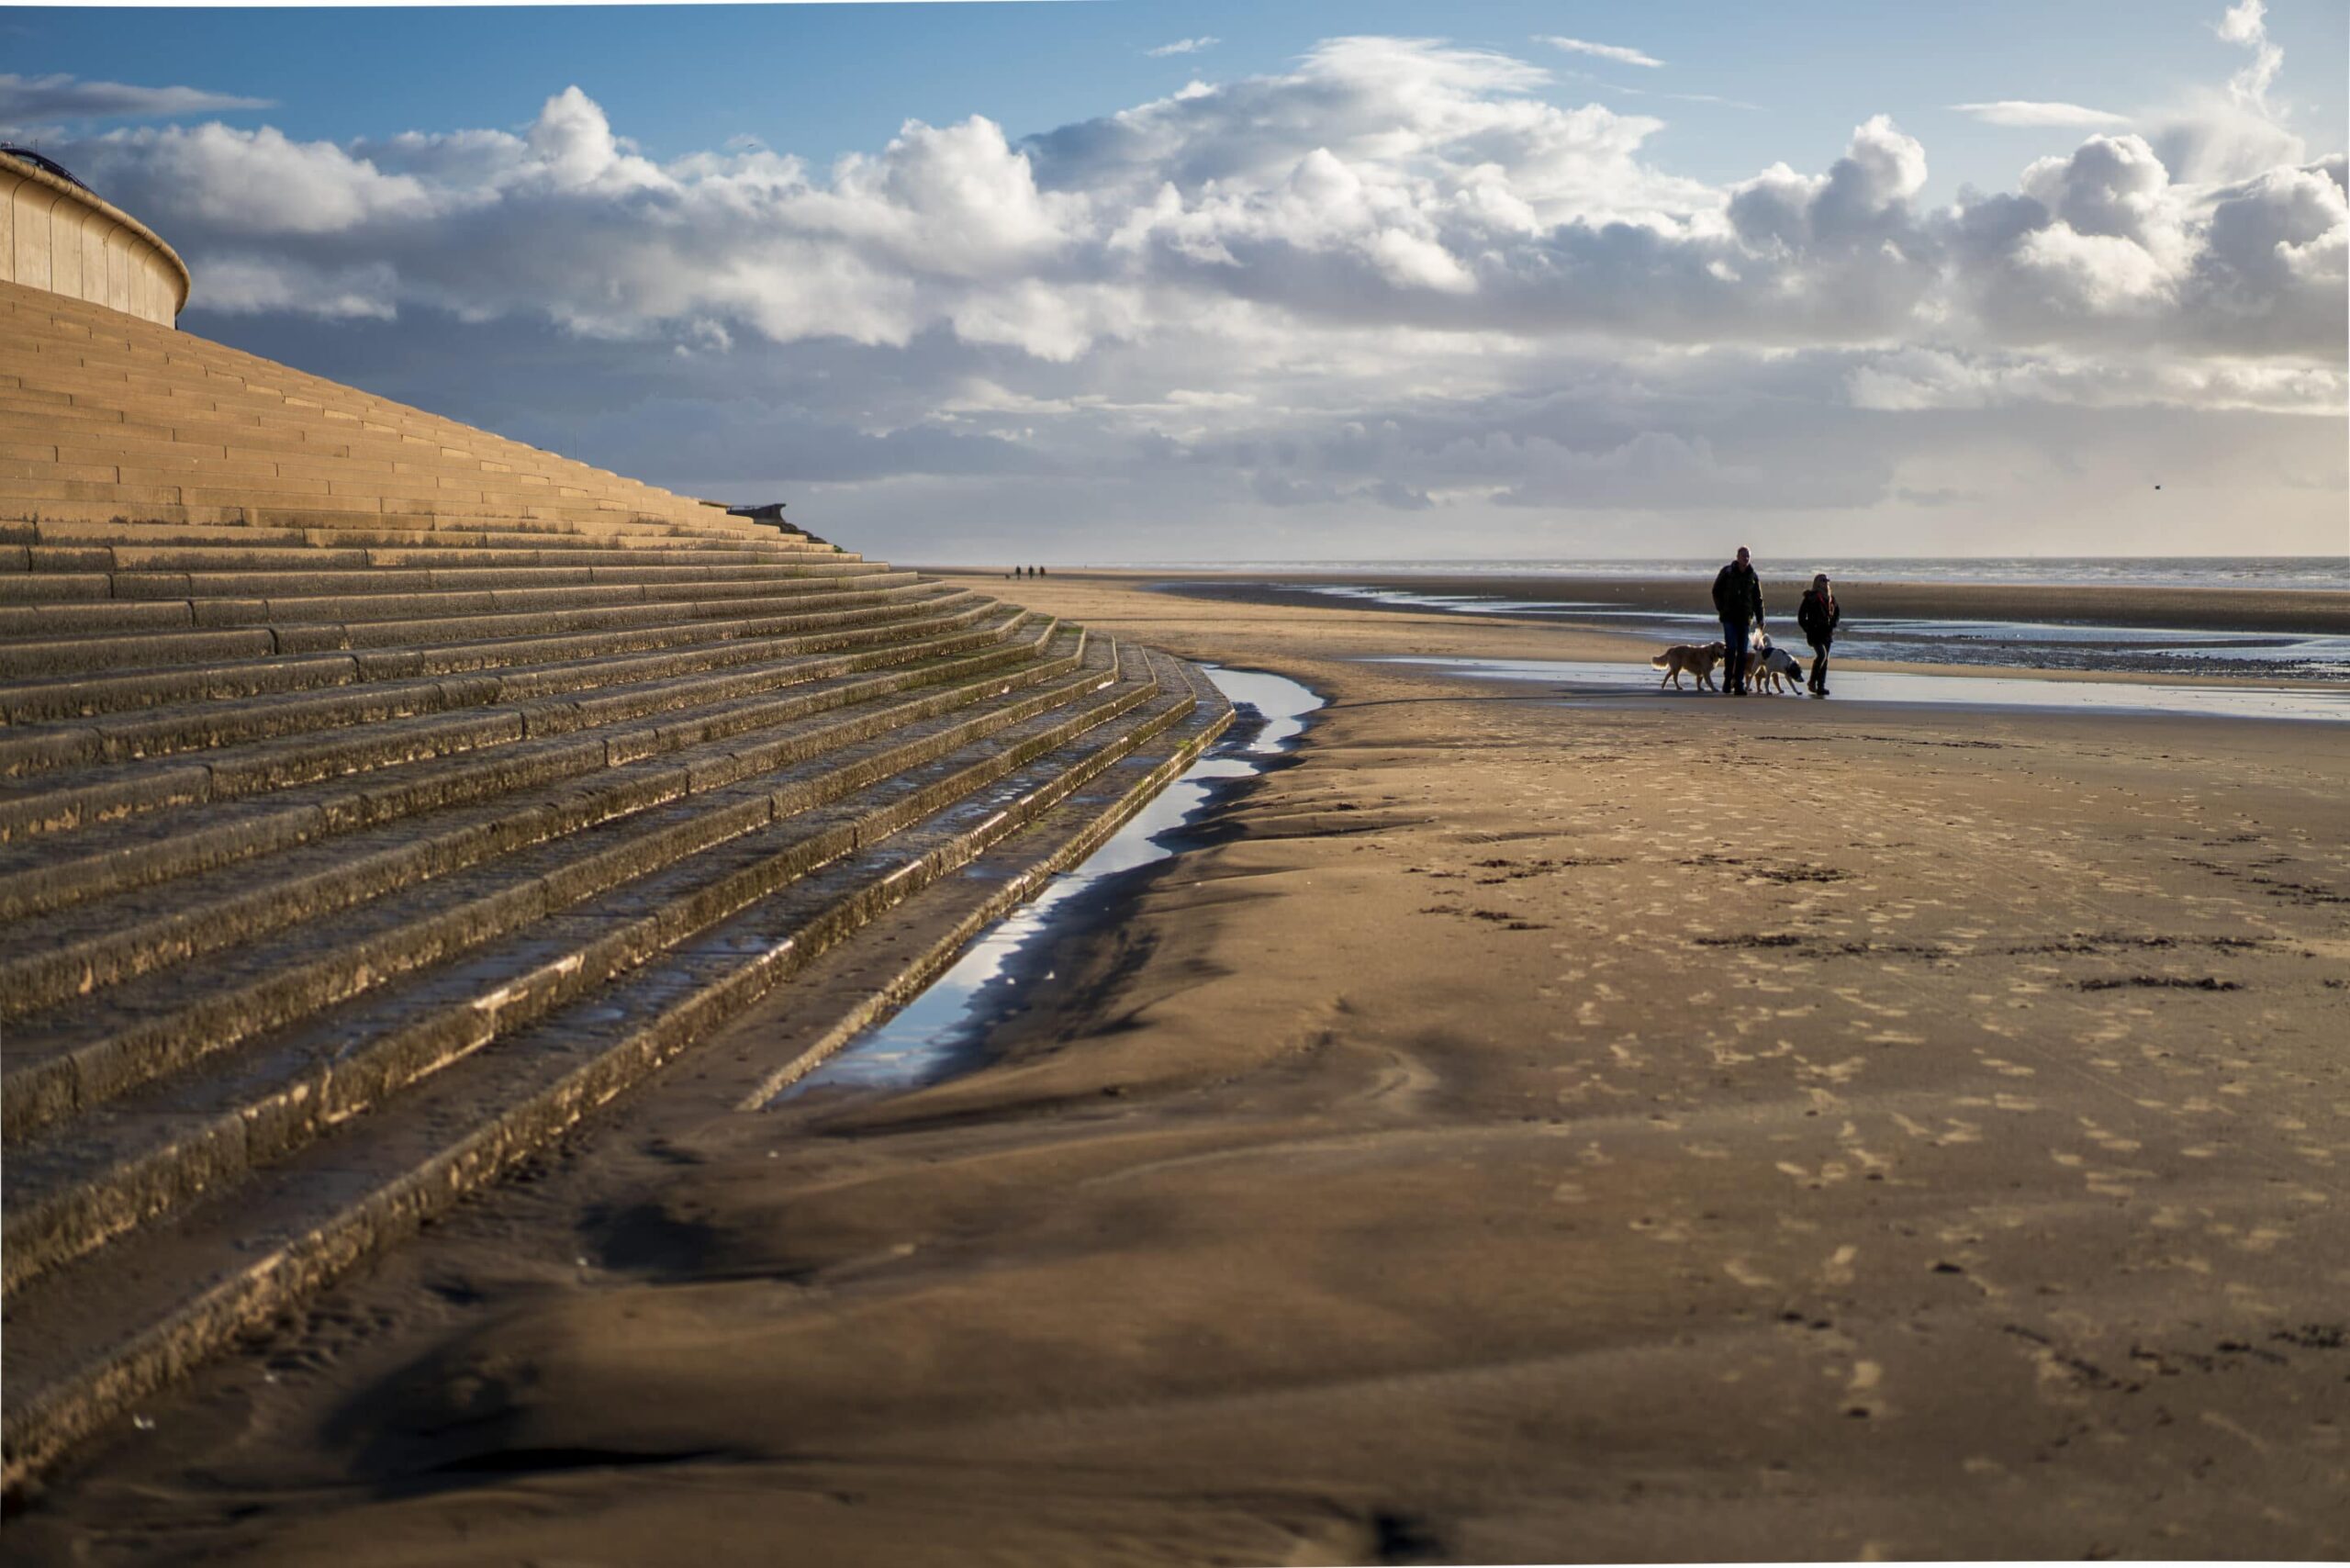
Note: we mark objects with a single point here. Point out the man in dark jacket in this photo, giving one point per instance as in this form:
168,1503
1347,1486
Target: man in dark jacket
1738,599
1817,615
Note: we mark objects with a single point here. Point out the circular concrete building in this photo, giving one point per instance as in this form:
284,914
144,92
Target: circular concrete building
57,234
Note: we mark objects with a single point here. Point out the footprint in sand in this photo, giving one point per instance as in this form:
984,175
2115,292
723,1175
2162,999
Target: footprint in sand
1851,1140
2113,1143
1860,1388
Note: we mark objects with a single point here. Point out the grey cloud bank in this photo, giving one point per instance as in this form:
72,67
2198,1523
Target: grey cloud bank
34,100
1390,302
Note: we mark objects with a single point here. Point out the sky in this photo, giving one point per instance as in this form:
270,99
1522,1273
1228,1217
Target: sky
1101,282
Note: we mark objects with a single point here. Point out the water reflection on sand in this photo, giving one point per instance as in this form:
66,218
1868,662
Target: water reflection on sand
931,1036
2041,644
1588,680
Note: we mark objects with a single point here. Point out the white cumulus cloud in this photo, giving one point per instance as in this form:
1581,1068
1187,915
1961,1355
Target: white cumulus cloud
2246,23
1183,46
1396,276
1403,185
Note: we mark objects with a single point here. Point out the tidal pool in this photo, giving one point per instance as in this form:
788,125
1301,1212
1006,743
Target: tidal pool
933,1035
2036,645
1591,680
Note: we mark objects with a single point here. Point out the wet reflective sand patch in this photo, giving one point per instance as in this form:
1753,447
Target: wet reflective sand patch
1580,679
933,1035
2028,644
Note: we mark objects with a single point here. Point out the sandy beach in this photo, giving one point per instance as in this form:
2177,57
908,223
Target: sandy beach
1519,1132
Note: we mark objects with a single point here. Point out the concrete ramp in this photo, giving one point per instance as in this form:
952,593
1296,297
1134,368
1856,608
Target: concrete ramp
378,796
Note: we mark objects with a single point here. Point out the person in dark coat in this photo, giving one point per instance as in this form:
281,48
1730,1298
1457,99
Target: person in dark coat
1738,599
1817,615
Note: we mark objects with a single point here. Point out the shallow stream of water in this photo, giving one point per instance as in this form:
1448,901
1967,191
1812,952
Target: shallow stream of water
1589,681
932,1035
2038,644
2060,571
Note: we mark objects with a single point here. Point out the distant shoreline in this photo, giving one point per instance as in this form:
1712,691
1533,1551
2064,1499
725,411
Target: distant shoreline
2293,574
2317,612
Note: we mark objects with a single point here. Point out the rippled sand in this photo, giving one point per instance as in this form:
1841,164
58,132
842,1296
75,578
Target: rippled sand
1701,1131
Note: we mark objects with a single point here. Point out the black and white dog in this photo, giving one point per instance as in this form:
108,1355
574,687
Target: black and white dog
1774,669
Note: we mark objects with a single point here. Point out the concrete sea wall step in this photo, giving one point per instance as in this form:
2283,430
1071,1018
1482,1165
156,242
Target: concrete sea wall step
438,976
316,587
105,549
182,438
40,449
211,904
51,746
107,386
105,944
162,730
58,495
70,1057
84,862
533,665
65,621
211,567
372,498
617,527
192,445
40,655
156,440
352,515
62,346
53,796
371,525
819,626
65,525
229,1251
46,543
227,601
102,384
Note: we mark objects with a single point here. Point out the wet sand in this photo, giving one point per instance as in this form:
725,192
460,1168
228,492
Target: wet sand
1663,1131
2315,612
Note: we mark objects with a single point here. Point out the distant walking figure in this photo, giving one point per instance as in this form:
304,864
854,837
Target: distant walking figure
1817,615
1738,599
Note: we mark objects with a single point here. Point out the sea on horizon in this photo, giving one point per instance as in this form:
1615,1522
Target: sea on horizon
2283,573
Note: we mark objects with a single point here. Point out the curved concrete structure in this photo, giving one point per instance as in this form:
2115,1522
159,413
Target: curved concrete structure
378,796
58,237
